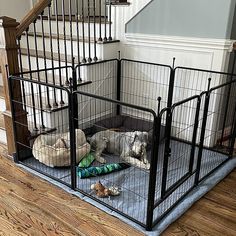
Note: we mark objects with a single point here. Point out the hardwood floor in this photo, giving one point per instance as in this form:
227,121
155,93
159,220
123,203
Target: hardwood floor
214,214
31,206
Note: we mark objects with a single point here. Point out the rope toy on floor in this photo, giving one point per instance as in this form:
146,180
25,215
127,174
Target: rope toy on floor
100,170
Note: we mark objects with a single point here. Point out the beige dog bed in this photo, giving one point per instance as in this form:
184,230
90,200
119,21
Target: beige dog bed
54,149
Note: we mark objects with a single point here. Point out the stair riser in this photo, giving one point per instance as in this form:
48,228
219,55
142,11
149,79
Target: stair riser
43,91
83,71
62,46
58,119
74,29
102,84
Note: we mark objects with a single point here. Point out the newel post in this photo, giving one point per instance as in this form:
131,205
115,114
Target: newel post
9,56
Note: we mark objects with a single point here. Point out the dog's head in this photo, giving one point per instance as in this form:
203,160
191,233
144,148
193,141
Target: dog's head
139,143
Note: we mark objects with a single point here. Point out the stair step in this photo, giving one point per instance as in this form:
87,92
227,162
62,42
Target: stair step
119,3
74,38
68,37
48,55
41,76
74,19
61,37
86,27
29,104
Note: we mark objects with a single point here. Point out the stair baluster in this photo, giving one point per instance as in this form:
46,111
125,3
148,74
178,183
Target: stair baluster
67,82
100,20
105,22
71,35
35,129
78,36
48,106
55,104
94,31
89,34
58,50
38,73
110,38
83,33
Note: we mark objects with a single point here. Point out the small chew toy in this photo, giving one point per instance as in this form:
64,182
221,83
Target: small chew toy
102,191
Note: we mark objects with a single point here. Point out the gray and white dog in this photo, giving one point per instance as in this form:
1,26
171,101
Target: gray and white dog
131,146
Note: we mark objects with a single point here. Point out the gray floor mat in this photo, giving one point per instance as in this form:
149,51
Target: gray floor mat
133,182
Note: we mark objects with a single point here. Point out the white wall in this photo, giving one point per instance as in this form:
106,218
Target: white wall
15,8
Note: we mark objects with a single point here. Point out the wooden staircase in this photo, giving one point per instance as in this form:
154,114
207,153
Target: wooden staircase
44,40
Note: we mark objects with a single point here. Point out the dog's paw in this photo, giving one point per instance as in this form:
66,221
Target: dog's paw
145,161
146,166
101,160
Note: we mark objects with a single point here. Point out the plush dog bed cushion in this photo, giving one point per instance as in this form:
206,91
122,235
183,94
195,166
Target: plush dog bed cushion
126,124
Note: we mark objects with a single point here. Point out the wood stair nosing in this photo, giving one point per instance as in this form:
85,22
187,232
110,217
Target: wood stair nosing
73,38
74,19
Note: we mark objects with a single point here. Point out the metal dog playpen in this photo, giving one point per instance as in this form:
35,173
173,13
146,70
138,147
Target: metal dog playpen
189,115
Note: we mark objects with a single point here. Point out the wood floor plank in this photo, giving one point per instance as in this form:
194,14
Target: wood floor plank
31,206
214,214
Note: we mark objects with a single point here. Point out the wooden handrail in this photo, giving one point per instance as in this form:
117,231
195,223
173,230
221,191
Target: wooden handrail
31,16
9,56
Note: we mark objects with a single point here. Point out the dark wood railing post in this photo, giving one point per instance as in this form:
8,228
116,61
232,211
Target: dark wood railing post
9,56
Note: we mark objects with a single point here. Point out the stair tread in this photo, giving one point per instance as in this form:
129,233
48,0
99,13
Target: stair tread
74,38
61,37
120,3
74,19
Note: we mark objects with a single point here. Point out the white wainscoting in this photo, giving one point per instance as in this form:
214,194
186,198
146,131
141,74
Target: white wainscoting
209,54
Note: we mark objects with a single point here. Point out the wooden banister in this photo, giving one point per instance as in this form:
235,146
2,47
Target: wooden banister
9,56
31,16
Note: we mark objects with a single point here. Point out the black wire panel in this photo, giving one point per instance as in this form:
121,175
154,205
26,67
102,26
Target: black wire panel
97,114
219,134
43,144
190,81
103,78
142,83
